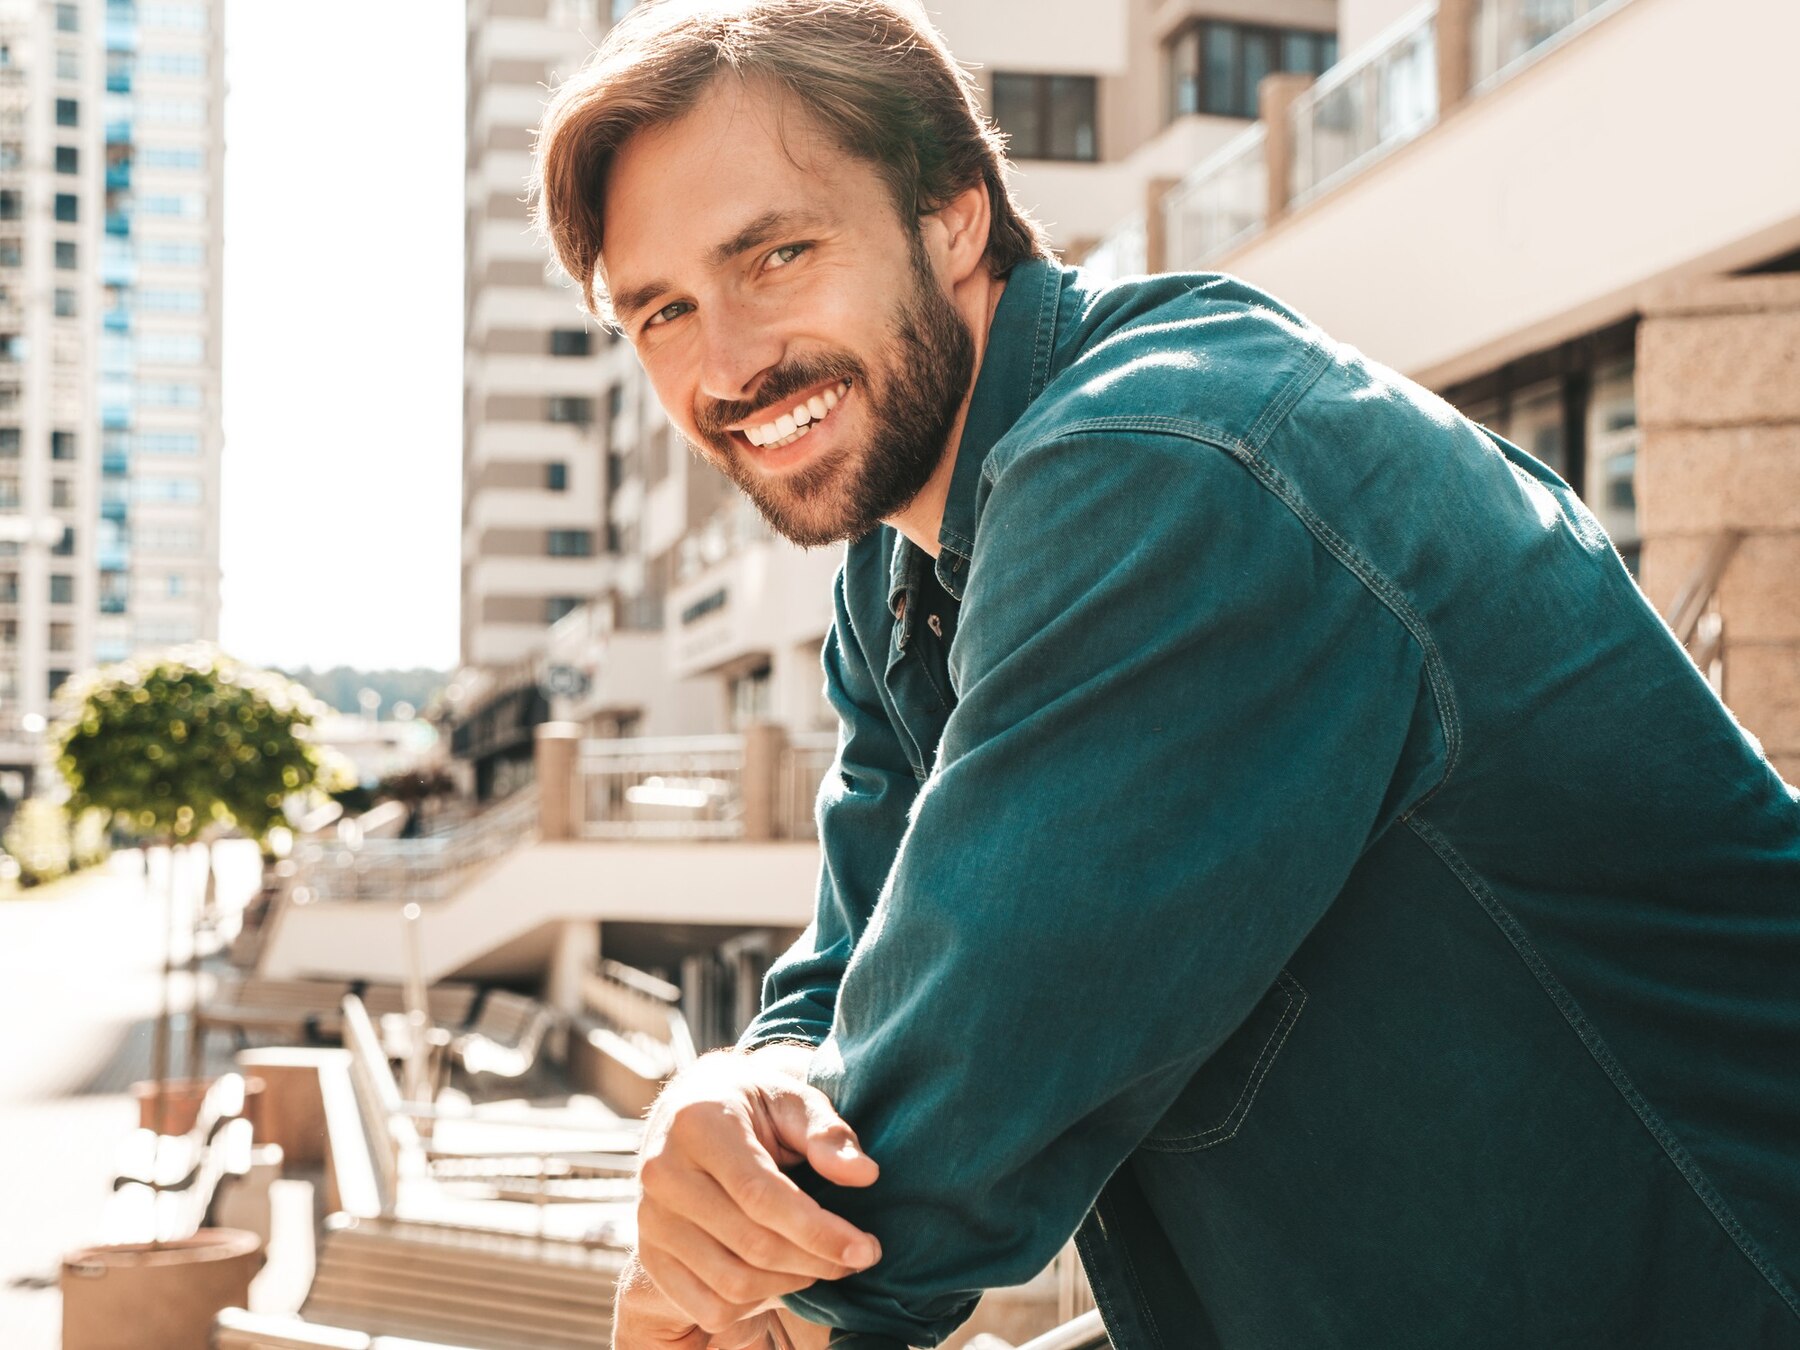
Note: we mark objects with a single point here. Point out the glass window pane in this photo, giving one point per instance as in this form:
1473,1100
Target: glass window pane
1016,110
1259,60
1298,51
1072,133
1221,70
1184,74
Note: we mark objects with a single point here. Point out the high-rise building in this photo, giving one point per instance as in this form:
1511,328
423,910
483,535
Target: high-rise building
110,243
534,410
158,560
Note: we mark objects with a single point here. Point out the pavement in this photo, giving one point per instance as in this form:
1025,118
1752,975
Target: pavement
80,990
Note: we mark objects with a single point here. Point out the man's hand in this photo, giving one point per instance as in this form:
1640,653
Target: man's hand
722,1231
644,1320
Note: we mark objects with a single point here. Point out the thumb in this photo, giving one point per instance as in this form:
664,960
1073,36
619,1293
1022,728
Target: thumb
809,1127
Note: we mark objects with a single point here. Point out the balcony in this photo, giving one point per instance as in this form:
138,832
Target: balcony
1224,200
118,131
118,224
116,320
118,81
118,176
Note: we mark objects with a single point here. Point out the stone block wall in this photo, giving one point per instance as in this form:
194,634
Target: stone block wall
1718,393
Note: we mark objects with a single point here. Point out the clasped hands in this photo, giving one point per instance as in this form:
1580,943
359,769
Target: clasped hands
723,1232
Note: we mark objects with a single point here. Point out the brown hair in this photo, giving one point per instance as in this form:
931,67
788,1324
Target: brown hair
876,76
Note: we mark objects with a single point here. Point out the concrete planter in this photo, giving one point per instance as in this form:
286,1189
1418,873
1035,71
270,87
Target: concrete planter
139,1296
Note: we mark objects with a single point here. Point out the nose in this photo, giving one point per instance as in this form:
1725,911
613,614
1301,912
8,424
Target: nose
740,346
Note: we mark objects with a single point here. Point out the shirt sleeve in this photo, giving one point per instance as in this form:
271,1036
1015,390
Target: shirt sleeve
1180,723
862,813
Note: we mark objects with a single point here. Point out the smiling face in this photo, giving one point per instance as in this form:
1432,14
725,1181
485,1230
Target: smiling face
793,326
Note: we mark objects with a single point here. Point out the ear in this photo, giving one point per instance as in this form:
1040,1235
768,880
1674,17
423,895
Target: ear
956,234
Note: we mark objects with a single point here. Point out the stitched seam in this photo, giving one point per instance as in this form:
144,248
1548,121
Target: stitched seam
1102,1290
1265,1060
1145,1314
1042,340
1602,1054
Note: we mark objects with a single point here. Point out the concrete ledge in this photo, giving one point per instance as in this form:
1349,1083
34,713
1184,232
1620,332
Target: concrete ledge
1717,369
1762,691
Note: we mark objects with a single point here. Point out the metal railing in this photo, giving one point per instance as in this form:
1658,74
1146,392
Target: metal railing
669,787
355,867
1364,108
1225,199
806,760
1124,252
1510,34
1695,618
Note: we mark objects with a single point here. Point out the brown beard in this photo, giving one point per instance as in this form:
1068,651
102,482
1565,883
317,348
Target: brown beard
930,360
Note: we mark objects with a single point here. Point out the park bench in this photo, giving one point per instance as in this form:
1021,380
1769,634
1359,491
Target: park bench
509,1030
377,1142
630,1038
444,1285
170,1160
172,1187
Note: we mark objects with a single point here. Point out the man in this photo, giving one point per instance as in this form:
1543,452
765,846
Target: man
1271,834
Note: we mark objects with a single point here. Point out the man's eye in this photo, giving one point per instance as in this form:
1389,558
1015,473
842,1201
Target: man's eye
786,254
668,313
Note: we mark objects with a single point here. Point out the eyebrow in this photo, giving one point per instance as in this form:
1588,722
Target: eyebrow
769,225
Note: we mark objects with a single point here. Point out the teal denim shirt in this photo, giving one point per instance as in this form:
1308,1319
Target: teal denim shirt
1276,838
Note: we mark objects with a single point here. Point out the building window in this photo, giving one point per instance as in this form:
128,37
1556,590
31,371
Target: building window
9,493
68,208
56,681
556,477
68,63
559,605
171,488
63,302
170,301
65,547
177,18
175,586
180,112
1215,67
62,589
65,254
68,112
175,205
157,395
1047,116
9,442
68,18
171,156
568,342
169,442
171,349
62,637
11,253
569,543
182,65
68,159
12,155
12,205
62,494
173,253
62,445
576,410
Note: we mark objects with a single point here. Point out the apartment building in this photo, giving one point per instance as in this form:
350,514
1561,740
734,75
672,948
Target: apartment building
162,271
702,621
110,242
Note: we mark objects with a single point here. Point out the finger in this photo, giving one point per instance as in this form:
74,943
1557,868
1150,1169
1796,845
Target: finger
750,1334
692,1295
704,1208
757,1187
810,1127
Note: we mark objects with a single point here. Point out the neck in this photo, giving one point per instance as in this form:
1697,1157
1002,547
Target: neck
921,518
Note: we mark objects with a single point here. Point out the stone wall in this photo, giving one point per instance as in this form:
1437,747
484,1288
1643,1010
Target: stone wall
1718,389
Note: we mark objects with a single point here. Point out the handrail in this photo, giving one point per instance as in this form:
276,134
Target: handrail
1228,193
1362,108
1697,593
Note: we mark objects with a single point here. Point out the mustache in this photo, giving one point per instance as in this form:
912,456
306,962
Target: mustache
712,416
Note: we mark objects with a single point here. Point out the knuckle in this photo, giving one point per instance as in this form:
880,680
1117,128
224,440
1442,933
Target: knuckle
738,1286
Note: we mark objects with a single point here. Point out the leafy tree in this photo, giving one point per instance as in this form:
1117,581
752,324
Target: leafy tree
185,743
171,745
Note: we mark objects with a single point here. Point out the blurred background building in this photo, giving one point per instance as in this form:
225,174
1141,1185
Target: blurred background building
111,184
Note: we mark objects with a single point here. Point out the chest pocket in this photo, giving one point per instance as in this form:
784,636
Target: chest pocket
1213,1105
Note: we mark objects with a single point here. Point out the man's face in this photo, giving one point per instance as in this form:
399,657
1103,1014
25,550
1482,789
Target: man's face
792,325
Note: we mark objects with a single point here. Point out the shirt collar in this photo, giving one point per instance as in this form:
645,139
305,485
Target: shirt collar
1014,370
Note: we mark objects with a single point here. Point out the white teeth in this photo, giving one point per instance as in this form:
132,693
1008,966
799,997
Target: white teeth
787,428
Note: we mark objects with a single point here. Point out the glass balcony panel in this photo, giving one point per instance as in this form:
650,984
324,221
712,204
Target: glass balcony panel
1366,107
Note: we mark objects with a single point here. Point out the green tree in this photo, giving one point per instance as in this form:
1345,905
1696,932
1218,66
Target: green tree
188,740
183,745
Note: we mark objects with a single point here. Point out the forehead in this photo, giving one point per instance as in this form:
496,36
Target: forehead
675,192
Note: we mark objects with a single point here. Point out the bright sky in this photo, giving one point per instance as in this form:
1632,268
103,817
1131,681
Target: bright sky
343,332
